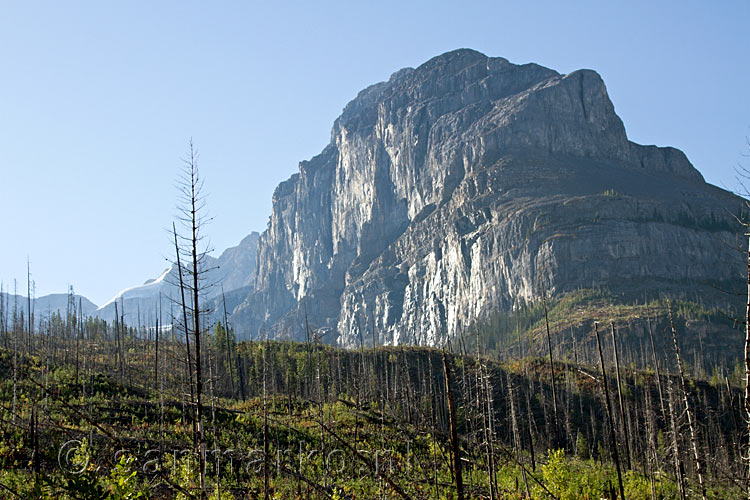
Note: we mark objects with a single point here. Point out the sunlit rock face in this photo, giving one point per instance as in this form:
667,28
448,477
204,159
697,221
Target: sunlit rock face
468,185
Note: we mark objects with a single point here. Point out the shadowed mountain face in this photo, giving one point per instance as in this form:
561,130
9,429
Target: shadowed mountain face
468,185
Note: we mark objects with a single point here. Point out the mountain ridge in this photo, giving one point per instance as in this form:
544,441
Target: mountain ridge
458,189
470,184
233,269
44,306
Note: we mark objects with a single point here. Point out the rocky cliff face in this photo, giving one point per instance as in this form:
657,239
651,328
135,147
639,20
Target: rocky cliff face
470,184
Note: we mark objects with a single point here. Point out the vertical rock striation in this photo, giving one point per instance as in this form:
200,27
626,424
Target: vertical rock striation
466,185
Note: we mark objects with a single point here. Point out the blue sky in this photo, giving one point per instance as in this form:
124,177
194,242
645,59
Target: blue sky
99,100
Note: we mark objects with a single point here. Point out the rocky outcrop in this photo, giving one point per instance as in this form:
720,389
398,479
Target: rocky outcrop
468,185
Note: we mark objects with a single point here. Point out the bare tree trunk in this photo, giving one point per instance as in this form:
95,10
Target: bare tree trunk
240,375
156,355
679,472
747,362
15,351
650,444
612,439
558,441
191,207
123,331
161,399
79,331
119,341
34,438
217,456
3,325
265,425
688,411
230,345
187,330
319,397
455,445
656,367
361,367
626,436
516,433
196,319
489,429
308,345
28,300
530,425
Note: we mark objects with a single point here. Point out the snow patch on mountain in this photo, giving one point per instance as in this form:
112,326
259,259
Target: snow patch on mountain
150,289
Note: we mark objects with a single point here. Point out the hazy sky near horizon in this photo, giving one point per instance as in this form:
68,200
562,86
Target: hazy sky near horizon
99,100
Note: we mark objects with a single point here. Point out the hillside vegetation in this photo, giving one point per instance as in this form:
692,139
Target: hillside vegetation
93,411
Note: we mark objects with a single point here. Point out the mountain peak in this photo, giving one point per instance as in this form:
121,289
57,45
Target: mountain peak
250,240
462,56
465,186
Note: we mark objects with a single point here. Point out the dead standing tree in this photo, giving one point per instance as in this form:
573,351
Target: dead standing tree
742,176
608,405
186,326
558,441
688,408
455,445
747,358
623,421
192,217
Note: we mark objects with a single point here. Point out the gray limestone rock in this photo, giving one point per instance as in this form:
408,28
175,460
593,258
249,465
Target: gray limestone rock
468,185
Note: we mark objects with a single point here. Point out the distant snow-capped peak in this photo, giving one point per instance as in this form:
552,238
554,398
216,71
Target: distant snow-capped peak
150,289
